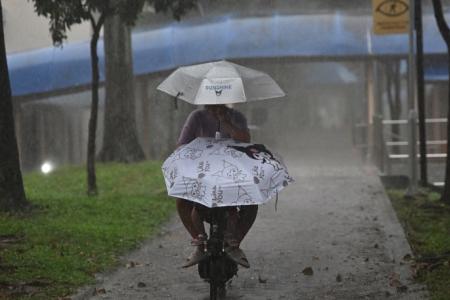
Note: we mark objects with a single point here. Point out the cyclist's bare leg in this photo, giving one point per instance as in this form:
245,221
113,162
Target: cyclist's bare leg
184,209
193,221
232,238
232,232
197,221
247,216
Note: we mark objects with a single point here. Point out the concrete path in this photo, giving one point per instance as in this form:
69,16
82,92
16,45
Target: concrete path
336,219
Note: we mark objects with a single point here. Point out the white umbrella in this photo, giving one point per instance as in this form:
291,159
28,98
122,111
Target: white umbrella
220,82
224,172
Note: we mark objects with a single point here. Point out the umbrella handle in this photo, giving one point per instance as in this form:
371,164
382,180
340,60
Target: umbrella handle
276,202
176,99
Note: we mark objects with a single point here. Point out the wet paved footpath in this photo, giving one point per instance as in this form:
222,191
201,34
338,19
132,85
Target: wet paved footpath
335,219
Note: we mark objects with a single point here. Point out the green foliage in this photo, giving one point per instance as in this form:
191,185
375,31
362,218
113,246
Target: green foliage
177,7
65,13
426,221
71,236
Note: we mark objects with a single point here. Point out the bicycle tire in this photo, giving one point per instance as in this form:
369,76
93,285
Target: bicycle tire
213,290
217,291
221,292
213,284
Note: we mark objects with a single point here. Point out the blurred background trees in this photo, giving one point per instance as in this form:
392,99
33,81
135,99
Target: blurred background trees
119,121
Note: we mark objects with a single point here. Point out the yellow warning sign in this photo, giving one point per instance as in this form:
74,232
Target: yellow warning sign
390,16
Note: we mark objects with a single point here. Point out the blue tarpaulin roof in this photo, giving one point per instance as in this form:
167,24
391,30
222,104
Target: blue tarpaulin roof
189,42
436,69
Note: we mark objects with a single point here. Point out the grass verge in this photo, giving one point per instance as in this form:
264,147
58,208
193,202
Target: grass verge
426,221
58,247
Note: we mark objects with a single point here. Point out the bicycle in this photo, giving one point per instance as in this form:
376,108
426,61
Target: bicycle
218,268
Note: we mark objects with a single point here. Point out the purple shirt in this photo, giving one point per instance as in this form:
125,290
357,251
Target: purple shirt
201,123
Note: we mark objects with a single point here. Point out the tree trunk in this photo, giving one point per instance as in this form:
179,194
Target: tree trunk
120,140
445,32
12,194
91,176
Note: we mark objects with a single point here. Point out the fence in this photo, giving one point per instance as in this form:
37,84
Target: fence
385,140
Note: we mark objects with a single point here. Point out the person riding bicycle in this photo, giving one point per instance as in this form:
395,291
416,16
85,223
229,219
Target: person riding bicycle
205,123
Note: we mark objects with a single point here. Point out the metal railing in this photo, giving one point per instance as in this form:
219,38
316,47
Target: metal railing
391,143
386,140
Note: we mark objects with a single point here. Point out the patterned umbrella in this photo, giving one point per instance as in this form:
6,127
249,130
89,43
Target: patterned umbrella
224,172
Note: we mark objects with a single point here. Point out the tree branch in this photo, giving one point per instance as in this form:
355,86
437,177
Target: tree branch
92,20
96,26
440,20
101,21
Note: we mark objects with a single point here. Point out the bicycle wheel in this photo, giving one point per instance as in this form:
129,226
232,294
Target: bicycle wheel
213,288
217,291
221,291
214,275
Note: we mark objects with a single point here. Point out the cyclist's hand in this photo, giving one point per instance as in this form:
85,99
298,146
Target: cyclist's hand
224,116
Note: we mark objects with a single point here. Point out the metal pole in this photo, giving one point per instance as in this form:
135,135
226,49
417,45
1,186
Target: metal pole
412,189
412,121
421,92
376,107
370,110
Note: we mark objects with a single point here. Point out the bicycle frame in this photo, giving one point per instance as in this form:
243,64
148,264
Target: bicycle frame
218,269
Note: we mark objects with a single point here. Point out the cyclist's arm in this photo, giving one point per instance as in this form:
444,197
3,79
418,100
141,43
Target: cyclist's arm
235,132
188,133
236,126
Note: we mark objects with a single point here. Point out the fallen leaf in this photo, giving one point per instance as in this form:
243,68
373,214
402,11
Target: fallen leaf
99,291
394,280
407,257
261,280
308,271
395,283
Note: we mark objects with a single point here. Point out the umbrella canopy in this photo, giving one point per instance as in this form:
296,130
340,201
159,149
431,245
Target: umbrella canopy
224,172
220,82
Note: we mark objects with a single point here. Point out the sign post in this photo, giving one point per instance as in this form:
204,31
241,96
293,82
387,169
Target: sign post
412,189
396,17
